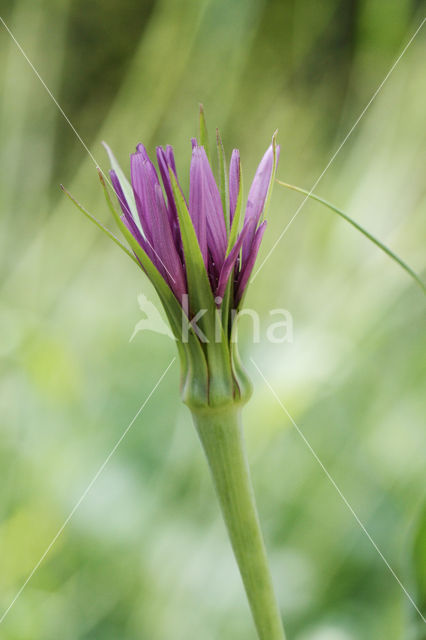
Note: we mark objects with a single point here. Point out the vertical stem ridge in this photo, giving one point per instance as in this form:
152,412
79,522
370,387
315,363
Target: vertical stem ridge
221,435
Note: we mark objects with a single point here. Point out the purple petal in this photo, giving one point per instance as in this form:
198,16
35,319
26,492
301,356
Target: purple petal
207,209
154,218
229,263
257,195
130,224
166,161
197,203
132,227
234,181
128,218
171,158
163,164
143,180
165,246
249,263
140,148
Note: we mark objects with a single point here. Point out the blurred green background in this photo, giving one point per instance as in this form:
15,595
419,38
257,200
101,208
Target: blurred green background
146,554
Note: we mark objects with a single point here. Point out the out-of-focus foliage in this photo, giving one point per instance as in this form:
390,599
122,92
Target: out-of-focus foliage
146,554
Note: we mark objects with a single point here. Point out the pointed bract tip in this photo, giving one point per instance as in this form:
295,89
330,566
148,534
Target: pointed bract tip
67,193
274,140
101,175
204,139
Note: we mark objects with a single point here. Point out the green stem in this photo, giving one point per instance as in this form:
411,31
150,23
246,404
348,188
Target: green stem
221,435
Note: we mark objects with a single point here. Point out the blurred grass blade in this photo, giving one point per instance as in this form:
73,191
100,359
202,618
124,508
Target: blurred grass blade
357,226
99,224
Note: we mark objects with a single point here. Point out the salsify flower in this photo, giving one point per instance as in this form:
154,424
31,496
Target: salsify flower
199,251
153,219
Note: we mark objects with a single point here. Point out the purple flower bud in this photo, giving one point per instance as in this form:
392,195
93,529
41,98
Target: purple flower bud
228,253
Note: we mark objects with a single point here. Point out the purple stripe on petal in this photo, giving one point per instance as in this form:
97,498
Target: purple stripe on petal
249,264
229,264
234,181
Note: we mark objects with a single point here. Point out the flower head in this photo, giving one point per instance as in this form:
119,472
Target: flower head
150,212
198,251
